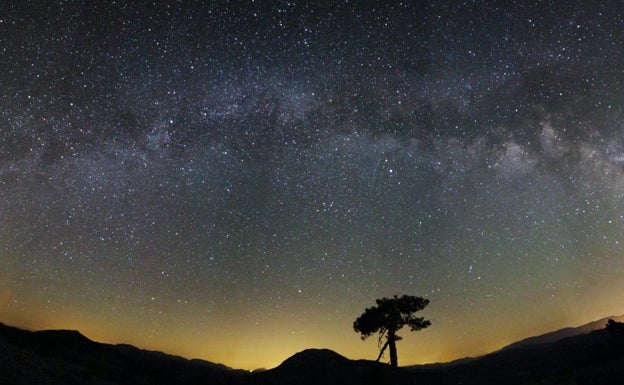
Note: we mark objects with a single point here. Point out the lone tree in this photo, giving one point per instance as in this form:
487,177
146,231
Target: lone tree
390,315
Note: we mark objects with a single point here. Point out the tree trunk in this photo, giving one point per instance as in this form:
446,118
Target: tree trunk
393,350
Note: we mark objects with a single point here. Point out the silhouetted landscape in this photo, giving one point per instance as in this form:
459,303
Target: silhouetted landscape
568,356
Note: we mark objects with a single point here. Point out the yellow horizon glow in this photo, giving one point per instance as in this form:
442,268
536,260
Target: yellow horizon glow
249,351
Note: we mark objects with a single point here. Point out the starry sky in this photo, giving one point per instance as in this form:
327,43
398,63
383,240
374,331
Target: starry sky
237,180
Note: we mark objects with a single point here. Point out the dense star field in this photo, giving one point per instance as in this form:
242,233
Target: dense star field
237,180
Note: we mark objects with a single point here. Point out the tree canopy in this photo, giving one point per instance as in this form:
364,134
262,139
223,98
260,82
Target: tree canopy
390,315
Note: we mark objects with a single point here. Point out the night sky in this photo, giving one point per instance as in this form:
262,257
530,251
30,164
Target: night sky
237,180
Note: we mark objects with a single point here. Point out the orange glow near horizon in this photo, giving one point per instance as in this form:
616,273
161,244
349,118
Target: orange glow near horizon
267,339
249,347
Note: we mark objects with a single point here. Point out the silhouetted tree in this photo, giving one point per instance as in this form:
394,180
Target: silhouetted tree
390,315
616,332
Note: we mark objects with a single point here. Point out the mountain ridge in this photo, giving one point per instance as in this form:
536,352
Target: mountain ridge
563,333
58,357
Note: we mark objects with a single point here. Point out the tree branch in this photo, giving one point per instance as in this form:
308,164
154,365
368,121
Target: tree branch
382,351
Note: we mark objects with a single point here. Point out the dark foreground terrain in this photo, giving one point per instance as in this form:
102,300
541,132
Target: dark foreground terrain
67,357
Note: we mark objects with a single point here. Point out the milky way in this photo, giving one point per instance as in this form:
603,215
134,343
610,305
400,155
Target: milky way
237,181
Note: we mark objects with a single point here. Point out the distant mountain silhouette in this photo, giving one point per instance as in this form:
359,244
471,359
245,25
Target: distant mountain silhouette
563,333
56,357
580,359
67,357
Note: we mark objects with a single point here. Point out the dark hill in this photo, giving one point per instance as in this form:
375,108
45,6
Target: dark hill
564,333
314,357
326,367
582,359
58,357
